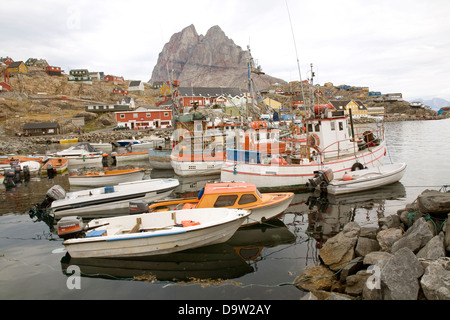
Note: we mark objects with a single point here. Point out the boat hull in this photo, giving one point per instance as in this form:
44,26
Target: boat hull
368,179
94,203
197,168
105,179
169,240
293,177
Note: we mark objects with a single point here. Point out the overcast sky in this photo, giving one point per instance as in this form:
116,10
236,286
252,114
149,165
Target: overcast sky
387,45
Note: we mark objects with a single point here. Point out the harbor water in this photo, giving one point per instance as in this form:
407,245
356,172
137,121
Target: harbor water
258,263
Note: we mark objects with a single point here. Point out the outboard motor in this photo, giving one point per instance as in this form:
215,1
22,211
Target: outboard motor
70,227
26,173
17,169
40,211
138,206
9,178
320,181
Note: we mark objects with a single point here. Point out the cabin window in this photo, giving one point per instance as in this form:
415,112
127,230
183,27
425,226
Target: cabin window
341,126
333,125
225,201
247,198
310,127
317,127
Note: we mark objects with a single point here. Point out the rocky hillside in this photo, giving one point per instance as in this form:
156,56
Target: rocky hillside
38,97
206,61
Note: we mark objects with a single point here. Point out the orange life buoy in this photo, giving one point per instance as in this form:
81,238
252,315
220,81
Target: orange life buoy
313,139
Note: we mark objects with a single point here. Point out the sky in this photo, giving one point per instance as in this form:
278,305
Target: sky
387,45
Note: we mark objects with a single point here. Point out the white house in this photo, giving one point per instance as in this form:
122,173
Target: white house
136,85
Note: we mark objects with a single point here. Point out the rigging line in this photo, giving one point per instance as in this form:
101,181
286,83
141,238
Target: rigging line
296,53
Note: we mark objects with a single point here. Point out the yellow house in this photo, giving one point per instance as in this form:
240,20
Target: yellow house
272,103
358,108
17,67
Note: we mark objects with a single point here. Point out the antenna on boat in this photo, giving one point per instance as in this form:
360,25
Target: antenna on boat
296,53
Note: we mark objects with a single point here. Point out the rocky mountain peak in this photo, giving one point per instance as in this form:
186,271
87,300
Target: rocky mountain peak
207,61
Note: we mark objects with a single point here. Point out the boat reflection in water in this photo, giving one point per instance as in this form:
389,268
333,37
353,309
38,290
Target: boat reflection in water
216,262
328,214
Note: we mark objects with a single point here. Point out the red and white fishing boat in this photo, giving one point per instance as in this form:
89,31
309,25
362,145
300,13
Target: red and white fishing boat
329,141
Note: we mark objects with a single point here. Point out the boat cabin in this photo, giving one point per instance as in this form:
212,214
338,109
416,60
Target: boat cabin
225,194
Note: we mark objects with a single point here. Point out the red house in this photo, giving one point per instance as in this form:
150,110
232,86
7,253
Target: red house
5,87
114,79
53,71
120,91
145,118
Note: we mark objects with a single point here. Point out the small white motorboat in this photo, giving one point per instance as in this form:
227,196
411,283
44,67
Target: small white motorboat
80,154
97,178
155,233
106,201
365,179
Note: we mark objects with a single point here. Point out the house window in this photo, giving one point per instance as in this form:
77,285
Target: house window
148,115
122,116
225,201
135,115
166,114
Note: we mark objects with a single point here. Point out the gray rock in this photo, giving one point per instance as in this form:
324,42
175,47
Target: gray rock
399,276
434,249
415,237
436,280
369,232
386,238
365,246
392,221
446,229
339,250
351,268
356,283
374,257
433,201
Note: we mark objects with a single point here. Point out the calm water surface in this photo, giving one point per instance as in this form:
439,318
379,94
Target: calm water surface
257,263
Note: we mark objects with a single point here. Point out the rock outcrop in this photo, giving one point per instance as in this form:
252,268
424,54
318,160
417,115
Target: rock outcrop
407,258
212,60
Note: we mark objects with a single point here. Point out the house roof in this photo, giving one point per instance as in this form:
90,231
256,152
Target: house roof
40,125
209,91
135,83
15,64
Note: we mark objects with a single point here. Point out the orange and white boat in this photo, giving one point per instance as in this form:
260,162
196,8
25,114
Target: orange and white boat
98,178
56,164
237,195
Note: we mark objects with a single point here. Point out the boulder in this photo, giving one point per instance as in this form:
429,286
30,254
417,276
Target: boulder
392,221
415,237
433,201
351,268
434,249
369,232
316,278
435,282
339,250
373,257
446,229
399,276
386,238
356,283
365,246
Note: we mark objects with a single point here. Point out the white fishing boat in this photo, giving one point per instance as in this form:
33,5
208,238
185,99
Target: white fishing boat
146,144
80,154
156,233
130,156
102,146
97,178
329,142
106,201
366,179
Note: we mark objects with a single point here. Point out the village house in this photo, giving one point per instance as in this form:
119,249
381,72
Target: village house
208,97
80,75
136,85
5,86
272,104
114,79
126,104
53,71
357,107
17,67
145,118
34,62
6,60
120,91
297,102
41,128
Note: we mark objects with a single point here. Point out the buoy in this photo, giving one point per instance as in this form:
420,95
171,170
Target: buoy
347,177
